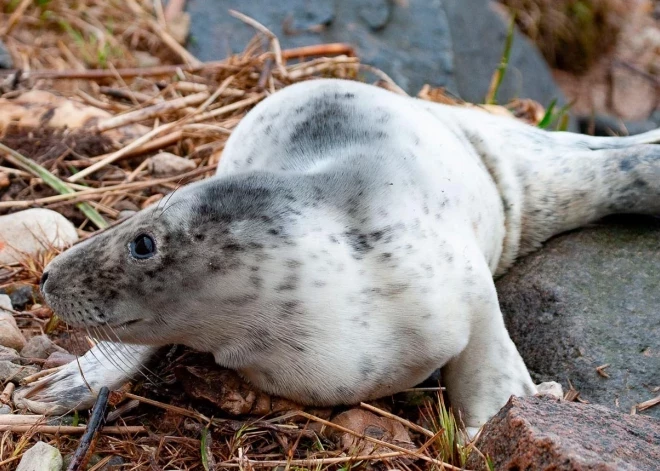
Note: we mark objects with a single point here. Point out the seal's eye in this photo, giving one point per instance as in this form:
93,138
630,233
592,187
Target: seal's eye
143,246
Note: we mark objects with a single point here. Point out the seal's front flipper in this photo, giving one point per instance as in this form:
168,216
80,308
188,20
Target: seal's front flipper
76,385
489,370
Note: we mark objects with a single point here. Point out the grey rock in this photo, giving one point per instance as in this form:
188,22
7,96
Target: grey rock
41,457
20,295
587,299
10,334
456,44
6,61
5,409
15,373
409,40
40,346
478,33
9,354
376,13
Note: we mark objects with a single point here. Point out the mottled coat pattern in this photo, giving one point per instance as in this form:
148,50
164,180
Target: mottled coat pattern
345,250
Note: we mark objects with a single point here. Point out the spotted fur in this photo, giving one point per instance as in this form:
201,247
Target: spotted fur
346,249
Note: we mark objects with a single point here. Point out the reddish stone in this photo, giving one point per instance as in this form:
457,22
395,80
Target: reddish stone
543,433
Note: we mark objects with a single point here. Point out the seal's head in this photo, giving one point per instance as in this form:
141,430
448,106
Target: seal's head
177,270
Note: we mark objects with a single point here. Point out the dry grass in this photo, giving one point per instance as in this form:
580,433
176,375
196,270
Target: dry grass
571,34
88,54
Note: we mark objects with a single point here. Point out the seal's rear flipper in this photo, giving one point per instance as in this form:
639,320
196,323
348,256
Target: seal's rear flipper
76,385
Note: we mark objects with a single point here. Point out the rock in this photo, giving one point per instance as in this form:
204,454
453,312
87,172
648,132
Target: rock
376,13
5,302
58,358
20,295
5,409
40,346
366,423
456,44
413,47
31,231
125,214
6,62
546,433
165,164
15,373
10,335
9,354
587,299
478,32
41,457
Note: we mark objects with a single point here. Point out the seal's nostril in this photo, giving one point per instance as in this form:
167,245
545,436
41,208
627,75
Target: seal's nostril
44,277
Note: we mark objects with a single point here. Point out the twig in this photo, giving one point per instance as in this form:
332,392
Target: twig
648,404
385,444
51,180
5,397
70,430
274,42
311,462
329,49
13,19
149,112
162,405
91,435
402,421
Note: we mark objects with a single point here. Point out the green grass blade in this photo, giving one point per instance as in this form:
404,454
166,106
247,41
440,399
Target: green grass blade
500,72
52,181
548,116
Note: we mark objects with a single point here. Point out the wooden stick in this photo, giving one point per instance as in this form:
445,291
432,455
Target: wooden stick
648,404
310,463
70,430
88,440
162,405
18,419
150,111
329,49
5,397
104,190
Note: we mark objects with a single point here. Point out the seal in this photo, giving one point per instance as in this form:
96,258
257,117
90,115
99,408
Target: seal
344,251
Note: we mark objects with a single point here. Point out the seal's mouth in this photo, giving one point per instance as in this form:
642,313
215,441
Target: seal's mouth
125,324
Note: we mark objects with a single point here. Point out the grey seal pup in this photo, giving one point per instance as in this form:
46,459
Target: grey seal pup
345,250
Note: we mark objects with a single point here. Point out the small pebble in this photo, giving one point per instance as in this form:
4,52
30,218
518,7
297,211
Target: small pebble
9,354
31,231
165,164
41,457
15,373
40,346
10,335
5,409
6,61
20,294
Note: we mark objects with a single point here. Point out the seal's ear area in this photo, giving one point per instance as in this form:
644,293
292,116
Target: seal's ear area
142,247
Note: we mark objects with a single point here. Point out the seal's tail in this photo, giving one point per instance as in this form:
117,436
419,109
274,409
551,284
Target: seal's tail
585,178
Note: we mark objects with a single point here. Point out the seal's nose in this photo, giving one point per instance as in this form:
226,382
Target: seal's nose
44,277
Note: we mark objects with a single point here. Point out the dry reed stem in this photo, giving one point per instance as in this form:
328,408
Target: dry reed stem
150,112
71,430
414,453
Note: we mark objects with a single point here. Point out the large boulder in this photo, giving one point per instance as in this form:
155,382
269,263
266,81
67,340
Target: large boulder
455,44
543,433
588,299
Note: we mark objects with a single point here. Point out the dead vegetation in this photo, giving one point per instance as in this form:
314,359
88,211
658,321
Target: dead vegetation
81,124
